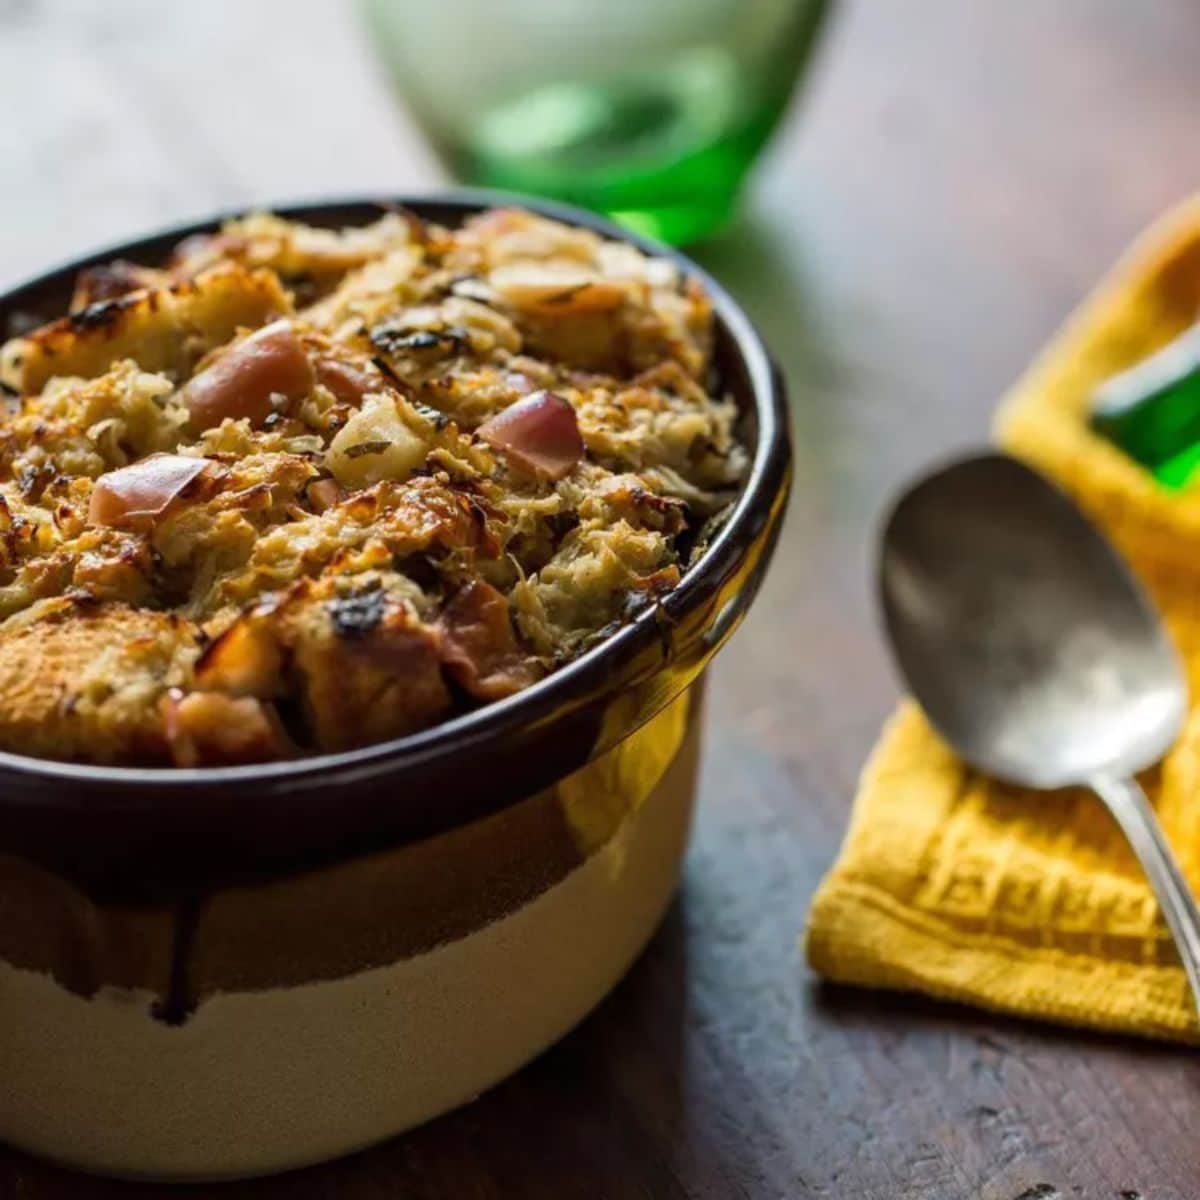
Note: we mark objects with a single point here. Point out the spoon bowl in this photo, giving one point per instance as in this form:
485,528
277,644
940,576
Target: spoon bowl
1028,642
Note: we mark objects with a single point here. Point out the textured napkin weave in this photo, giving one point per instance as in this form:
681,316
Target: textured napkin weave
952,884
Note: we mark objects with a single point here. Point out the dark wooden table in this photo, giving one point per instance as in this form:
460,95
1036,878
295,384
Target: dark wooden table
958,175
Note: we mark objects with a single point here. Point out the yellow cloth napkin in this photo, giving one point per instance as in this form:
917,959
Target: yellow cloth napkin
951,884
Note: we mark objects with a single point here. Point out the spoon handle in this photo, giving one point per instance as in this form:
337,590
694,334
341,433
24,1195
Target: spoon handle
1128,804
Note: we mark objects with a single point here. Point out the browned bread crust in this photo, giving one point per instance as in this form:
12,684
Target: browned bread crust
83,680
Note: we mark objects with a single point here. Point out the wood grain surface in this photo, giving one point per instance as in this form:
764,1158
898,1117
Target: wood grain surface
958,174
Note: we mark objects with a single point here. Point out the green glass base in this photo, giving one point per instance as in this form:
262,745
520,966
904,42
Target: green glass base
664,155
678,224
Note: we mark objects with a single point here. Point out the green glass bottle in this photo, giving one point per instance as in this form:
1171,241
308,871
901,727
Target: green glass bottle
1152,411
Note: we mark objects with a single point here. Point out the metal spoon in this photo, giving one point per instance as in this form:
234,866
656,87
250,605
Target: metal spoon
1035,653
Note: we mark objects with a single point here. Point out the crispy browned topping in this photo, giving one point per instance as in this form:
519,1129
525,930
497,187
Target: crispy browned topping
306,489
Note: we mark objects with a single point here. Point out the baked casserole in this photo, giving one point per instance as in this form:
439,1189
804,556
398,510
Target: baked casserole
301,490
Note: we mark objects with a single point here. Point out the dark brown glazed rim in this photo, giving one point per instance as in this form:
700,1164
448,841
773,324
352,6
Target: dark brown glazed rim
133,830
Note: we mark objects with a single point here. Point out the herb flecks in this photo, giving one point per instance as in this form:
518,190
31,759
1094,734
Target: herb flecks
364,448
356,616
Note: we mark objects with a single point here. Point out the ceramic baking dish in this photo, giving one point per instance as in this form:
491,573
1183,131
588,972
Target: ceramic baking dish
222,972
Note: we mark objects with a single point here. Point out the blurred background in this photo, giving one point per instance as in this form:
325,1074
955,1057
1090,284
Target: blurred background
653,113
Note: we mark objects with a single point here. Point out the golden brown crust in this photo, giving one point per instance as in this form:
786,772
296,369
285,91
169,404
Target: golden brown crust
491,441
163,329
82,681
